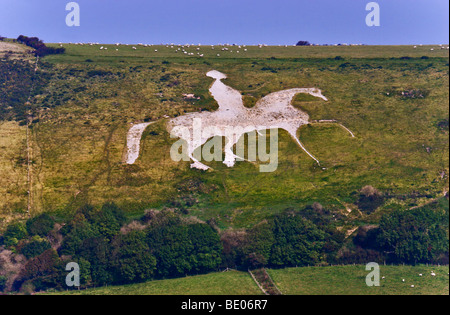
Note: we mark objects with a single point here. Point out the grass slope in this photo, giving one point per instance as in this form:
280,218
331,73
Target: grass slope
223,283
82,116
350,280
336,280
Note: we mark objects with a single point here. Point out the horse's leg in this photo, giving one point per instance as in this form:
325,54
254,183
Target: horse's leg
197,164
293,134
337,123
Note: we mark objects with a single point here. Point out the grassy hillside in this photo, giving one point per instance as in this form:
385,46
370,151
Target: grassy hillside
346,280
91,96
224,283
350,280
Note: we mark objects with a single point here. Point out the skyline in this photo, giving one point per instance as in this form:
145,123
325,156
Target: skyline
270,22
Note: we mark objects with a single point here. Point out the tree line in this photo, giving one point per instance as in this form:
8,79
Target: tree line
112,249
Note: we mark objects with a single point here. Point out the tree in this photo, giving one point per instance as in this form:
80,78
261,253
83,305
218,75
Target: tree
14,233
42,271
35,247
303,43
370,199
207,248
132,261
414,236
109,220
260,241
184,249
298,242
40,225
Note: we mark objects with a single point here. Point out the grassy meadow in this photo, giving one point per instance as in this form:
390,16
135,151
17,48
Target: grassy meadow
336,280
81,118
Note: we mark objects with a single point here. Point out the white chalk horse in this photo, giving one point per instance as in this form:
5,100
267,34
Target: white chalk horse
273,111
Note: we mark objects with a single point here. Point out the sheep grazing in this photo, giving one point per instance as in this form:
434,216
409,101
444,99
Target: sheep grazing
156,50
134,48
415,47
433,274
412,286
101,48
218,55
420,275
403,280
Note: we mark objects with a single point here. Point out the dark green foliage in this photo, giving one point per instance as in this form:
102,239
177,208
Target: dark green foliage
131,258
35,248
14,233
184,249
359,255
415,236
303,43
40,225
298,242
109,220
367,237
260,240
97,252
40,48
77,233
369,199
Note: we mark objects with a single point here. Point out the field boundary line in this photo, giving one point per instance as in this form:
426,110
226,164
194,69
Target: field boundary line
257,283
271,281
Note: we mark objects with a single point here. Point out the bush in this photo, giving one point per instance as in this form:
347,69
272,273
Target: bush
40,225
39,46
14,233
35,248
132,261
369,199
415,236
303,43
298,242
42,271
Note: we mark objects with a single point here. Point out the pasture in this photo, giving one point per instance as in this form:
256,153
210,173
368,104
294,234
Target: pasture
394,98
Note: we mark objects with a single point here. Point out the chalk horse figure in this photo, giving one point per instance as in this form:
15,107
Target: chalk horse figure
273,111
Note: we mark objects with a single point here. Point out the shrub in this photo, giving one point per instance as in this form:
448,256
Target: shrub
303,43
35,248
369,199
40,225
414,236
14,233
298,242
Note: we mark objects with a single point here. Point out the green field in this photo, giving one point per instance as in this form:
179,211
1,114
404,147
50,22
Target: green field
82,115
337,280
350,280
223,283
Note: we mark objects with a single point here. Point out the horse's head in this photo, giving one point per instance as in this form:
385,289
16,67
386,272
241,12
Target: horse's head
317,93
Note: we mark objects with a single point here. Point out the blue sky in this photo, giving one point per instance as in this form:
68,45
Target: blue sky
269,22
